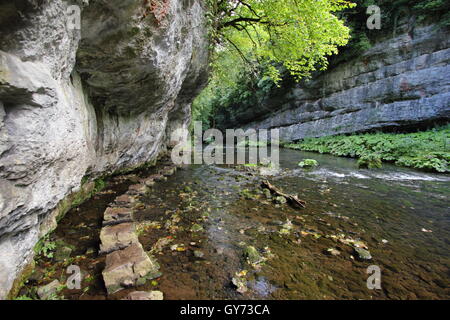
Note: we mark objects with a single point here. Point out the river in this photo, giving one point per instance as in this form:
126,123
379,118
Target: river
400,216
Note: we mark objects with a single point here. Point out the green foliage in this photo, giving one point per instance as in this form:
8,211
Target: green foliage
23,298
370,161
45,247
429,150
308,163
99,185
296,34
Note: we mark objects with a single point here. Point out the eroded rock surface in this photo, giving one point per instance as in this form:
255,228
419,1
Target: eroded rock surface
84,102
114,215
143,295
129,267
117,237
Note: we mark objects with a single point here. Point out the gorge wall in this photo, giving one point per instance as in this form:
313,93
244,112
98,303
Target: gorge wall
401,82
86,102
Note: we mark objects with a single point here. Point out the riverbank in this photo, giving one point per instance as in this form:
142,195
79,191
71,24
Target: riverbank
428,150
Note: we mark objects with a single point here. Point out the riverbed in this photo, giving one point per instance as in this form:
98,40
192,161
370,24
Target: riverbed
201,222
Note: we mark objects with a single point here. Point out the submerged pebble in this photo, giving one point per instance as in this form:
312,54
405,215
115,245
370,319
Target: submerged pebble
363,254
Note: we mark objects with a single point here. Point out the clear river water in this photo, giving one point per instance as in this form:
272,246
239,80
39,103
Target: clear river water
400,216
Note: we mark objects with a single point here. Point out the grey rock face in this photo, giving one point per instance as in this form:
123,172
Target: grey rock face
77,102
399,82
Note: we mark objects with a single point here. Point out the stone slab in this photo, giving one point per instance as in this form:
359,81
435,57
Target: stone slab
117,237
129,267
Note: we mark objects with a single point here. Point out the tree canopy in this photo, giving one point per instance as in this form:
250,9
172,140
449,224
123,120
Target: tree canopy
297,34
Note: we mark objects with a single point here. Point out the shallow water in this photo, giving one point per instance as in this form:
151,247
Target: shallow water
387,209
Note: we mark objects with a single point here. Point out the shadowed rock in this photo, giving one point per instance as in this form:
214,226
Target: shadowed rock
77,102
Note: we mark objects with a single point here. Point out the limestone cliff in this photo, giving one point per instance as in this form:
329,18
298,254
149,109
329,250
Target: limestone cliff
401,82
77,102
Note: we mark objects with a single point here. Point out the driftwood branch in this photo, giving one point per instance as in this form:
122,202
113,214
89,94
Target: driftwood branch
291,198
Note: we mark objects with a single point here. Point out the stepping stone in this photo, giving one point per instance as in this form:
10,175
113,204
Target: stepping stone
62,253
129,267
143,295
114,216
138,189
168,171
158,177
48,291
117,237
148,182
125,200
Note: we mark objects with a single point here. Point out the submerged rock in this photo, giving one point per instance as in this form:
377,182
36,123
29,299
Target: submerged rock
252,255
267,193
286,227
363,254
333,252
198,254
280,200
62,253
143,295
49,290
161,244
240,283
196,228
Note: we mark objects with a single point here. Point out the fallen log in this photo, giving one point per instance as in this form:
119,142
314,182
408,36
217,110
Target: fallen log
291,198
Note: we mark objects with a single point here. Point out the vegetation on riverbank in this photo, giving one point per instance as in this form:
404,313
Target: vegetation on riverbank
429,150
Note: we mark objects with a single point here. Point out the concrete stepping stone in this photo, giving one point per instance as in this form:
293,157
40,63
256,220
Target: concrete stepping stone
143,295
117,215
129,267
117,237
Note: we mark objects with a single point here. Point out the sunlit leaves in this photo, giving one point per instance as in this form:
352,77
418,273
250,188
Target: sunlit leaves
298,34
